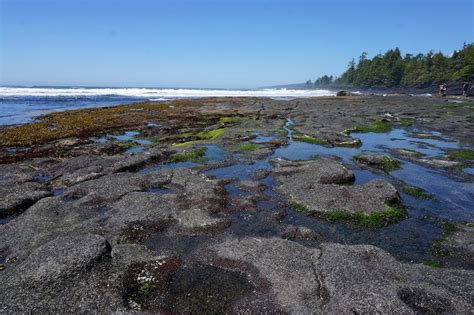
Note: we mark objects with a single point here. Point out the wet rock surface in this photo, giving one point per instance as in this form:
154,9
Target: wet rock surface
318,185
338,278
457,248
117,223
17,197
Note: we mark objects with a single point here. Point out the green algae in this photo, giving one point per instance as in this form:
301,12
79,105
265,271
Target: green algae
376,219
300,137
247,147
200,136
298,207
411,152
378,127
229,120
128,144
79,123
388,164
462,154
196,155
416,192
185,144
432,263
310,139
145,289
373,220
406,122
210,135
449,228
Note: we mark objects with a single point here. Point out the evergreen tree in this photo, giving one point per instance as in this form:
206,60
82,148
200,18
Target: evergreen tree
391,70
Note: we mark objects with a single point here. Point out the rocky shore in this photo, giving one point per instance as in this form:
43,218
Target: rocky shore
353,204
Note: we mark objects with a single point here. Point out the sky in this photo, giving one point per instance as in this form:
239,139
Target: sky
220,44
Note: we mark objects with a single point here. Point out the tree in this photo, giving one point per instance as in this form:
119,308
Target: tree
391,70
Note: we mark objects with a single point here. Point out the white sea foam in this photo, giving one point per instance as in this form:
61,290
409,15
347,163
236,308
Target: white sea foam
158,94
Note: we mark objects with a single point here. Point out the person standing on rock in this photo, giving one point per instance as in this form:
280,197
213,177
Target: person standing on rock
442,89
465,89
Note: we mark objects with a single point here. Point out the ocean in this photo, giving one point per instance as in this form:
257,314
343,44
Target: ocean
22,104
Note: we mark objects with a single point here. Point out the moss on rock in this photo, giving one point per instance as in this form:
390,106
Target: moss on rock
310,139
376,219
416,192
378,126
196,155
211,134
462,154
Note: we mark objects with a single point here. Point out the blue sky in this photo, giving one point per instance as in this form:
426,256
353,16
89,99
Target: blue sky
237,44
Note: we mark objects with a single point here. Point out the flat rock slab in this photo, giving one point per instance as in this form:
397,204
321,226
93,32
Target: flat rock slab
366,279
321,170
460,245
349,279
182,197
379,161
316,185
14,197
62,256
286,265
86,167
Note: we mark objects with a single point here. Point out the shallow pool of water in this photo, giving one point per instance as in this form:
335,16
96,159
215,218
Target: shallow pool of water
409,239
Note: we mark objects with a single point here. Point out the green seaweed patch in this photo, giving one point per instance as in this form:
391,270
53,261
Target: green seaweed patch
432,263
211,134
388,164
298,207
411,152
185,144
80,123
200,136
145,289
247,147
462,154
310,139
449,228
452,106
229,120
378,127
406,122
128,144
196,155
416,192
376,219
462,165
185,135
282,133
250,135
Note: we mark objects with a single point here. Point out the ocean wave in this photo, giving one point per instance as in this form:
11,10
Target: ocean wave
162,94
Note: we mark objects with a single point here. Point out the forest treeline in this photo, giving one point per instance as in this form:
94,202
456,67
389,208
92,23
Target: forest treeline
392,70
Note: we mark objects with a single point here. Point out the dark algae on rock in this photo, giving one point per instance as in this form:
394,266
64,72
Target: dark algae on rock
206,207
